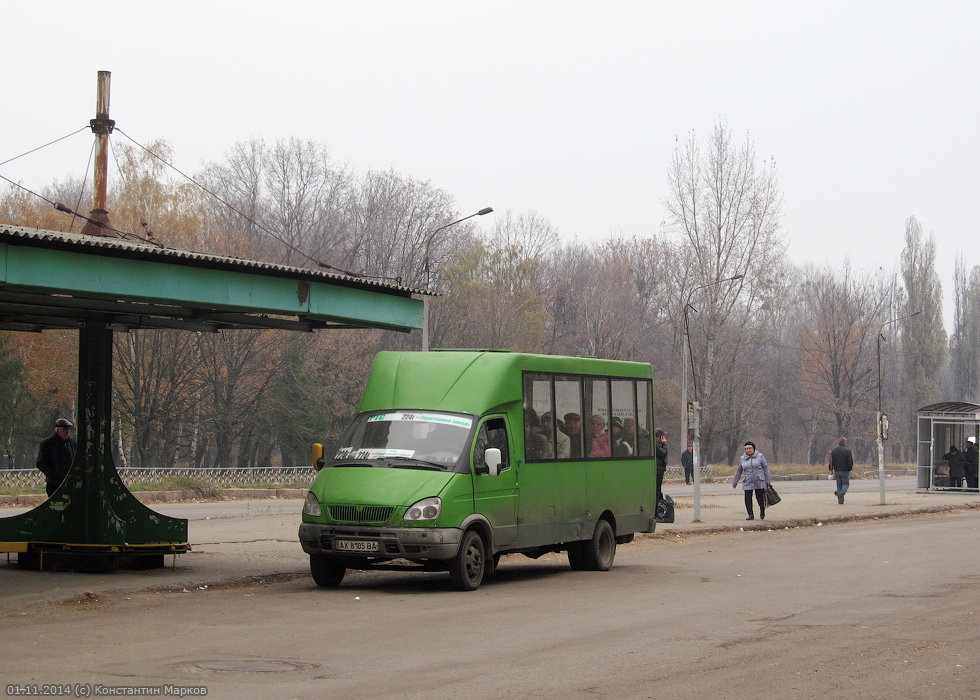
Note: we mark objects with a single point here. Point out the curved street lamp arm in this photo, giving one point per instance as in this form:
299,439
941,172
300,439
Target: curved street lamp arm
428,241
687,330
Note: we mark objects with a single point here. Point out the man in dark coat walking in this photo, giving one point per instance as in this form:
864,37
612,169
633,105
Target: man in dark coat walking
55,455
841,463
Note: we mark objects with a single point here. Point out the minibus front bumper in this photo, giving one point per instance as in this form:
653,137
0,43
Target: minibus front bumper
412,543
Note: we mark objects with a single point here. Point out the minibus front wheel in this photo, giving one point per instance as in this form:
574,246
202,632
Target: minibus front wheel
466,569
327,571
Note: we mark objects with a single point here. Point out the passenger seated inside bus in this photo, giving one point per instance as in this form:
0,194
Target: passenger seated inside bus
536,445
600,438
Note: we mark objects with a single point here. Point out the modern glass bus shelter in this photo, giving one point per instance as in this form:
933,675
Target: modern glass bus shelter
940,426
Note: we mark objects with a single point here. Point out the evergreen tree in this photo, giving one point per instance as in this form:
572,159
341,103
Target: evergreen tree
923,335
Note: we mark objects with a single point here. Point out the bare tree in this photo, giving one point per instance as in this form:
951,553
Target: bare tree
494,293
392,218
726,208
842,313
282,203
966,334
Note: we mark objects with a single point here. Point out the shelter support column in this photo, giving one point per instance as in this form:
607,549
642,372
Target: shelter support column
93,512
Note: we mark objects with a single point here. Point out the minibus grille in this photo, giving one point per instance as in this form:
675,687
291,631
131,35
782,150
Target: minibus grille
361,514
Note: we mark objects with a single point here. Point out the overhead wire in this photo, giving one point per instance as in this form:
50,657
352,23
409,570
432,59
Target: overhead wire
63,208
81,189
247,218
125,234
10,160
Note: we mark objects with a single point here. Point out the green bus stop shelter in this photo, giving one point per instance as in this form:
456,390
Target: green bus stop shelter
100,286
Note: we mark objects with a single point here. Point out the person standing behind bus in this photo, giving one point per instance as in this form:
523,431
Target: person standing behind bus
754,472
661,440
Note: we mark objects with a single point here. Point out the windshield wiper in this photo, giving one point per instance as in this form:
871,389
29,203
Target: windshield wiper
419,463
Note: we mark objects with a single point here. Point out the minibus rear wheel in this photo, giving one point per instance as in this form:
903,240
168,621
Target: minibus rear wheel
600,551
467,567
327,571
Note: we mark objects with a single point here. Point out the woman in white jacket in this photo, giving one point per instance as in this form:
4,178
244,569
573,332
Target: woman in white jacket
753,469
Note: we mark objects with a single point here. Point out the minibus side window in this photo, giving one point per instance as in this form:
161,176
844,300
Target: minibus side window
622,425
568,417
493,433
539,440
644,424
597,427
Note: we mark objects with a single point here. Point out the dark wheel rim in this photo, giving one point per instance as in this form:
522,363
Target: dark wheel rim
473,562
606,547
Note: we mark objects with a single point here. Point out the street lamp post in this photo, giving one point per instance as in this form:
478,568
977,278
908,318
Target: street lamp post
425,298
879,429
688,358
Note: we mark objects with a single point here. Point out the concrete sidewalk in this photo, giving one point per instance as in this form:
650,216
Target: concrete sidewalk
721,512
262,547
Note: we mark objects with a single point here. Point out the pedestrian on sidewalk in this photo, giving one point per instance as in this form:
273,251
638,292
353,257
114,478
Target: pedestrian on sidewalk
753,469
687,461
841,464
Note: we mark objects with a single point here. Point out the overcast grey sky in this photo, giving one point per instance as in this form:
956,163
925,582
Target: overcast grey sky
570,108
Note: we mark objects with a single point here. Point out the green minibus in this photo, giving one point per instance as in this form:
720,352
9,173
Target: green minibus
458,457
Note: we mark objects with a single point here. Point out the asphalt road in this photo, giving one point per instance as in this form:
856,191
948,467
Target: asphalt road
874,609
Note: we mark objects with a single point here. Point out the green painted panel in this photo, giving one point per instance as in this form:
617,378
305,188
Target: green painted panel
221,290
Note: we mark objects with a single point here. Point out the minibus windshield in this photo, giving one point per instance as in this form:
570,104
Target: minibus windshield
405,439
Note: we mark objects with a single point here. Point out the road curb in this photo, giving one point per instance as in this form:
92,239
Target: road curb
763,526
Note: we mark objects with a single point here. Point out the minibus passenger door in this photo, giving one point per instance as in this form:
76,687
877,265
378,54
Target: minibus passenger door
495,497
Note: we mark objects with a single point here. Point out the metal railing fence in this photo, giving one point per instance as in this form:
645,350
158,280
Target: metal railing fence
241,476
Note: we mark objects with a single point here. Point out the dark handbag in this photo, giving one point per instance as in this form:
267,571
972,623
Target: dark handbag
772,498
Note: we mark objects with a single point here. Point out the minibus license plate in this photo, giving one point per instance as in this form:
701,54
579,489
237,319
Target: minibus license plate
355,546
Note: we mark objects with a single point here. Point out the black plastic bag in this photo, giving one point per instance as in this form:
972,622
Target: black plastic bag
665,510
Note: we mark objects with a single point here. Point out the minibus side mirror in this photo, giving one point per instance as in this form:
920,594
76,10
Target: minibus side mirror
318,460
492,458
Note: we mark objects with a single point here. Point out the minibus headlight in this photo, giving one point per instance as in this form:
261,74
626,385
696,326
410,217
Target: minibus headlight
311,506
426,509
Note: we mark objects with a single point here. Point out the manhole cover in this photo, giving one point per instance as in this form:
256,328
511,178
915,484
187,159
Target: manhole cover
250,665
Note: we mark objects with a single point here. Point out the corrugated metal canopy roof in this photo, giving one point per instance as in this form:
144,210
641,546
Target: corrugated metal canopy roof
951,407
119,248
50,279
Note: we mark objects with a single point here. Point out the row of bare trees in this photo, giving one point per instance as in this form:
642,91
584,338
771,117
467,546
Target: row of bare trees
786,355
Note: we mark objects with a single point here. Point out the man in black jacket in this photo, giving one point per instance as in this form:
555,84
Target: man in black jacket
971,462
841,463
56,454
687,461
